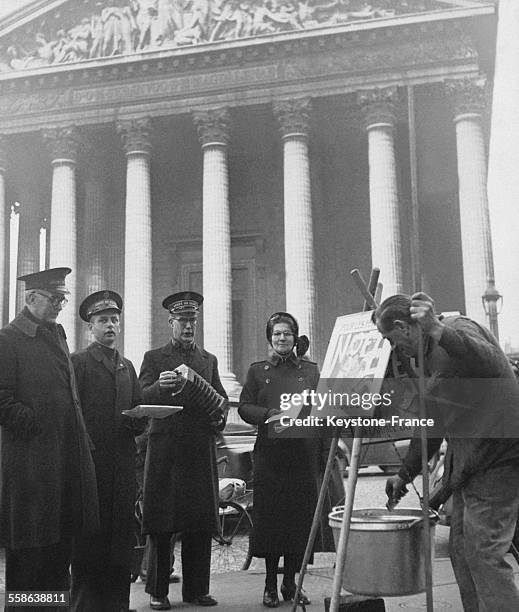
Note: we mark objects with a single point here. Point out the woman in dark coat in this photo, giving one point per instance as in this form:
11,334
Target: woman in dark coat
286,470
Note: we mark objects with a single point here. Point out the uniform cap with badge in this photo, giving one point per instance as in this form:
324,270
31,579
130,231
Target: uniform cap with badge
183,303
99,302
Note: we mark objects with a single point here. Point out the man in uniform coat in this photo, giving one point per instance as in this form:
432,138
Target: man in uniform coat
49,491
107,385
180,478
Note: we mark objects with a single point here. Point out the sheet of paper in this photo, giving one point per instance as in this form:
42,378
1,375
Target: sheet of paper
157,411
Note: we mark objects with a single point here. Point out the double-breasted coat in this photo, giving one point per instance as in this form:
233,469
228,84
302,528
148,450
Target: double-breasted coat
106,388
287,471
48,481
180,474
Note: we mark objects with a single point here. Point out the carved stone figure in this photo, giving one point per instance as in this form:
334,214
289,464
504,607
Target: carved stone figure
145,15
80,40
197,27
130,26
119,28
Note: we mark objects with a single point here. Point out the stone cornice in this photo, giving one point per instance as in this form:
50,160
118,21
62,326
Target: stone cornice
135,135
63,143
293,116
213,126
335,63
468,95
448,40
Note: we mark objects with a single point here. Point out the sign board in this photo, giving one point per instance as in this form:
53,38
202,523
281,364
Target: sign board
356,360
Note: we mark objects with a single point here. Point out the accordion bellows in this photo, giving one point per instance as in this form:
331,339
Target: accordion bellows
198,390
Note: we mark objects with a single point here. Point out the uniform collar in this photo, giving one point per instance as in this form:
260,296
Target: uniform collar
276,359
178,346
28,324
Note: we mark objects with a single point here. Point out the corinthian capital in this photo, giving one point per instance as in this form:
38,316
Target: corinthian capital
378,105
214,126
63,142
468,95
135,134
293,116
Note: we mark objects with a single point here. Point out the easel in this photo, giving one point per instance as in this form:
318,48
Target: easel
369,304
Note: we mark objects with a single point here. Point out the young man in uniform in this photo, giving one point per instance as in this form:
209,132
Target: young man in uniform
107,385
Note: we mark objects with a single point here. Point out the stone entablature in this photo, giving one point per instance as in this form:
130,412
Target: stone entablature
69,34
317,65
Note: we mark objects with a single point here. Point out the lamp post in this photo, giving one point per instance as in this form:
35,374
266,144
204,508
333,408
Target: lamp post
492,303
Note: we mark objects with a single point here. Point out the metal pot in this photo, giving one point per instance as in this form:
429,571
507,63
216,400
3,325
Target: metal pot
385,553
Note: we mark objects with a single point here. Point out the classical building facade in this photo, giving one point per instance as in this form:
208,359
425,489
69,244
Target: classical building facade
253,151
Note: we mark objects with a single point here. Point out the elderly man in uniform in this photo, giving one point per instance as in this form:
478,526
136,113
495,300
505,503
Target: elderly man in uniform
474,397
49,493
180,479
107,385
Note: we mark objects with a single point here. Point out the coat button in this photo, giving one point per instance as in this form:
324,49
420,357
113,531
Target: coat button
299,366
267,380
300,379
266,367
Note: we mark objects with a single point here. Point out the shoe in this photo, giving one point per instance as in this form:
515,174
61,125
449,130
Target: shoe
174,577
202,600
159,603
288,593
270,598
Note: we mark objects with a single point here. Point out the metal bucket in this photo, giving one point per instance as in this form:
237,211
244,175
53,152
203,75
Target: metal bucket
385,553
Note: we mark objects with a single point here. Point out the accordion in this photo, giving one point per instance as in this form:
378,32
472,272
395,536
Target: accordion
197,389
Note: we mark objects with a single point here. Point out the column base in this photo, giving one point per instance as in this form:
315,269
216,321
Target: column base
231,385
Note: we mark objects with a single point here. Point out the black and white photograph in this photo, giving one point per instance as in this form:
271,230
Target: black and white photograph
196,197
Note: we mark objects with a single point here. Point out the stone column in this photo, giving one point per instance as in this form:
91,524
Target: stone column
468,97
4,228
293,117
30,222
379,112
94,236
138,294
63,144
213,131
503,175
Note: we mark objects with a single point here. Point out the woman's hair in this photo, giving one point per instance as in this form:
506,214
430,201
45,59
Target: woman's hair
301,343
392,309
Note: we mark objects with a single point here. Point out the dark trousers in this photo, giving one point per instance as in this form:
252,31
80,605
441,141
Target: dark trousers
483,521
38,569
196,564
103,588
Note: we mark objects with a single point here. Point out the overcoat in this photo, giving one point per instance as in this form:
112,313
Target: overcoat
180,474
106,388
48,481
287,471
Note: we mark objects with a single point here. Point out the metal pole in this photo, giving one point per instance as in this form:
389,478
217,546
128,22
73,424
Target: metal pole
425,479
416,274
490,300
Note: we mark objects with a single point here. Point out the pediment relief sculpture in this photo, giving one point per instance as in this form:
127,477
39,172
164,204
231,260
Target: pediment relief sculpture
123,27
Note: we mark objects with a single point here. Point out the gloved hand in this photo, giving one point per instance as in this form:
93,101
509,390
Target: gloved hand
395,490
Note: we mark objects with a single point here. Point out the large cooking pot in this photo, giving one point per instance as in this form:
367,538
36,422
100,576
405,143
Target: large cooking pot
385,554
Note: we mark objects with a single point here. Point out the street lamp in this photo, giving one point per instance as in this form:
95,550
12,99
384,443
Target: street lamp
492,304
